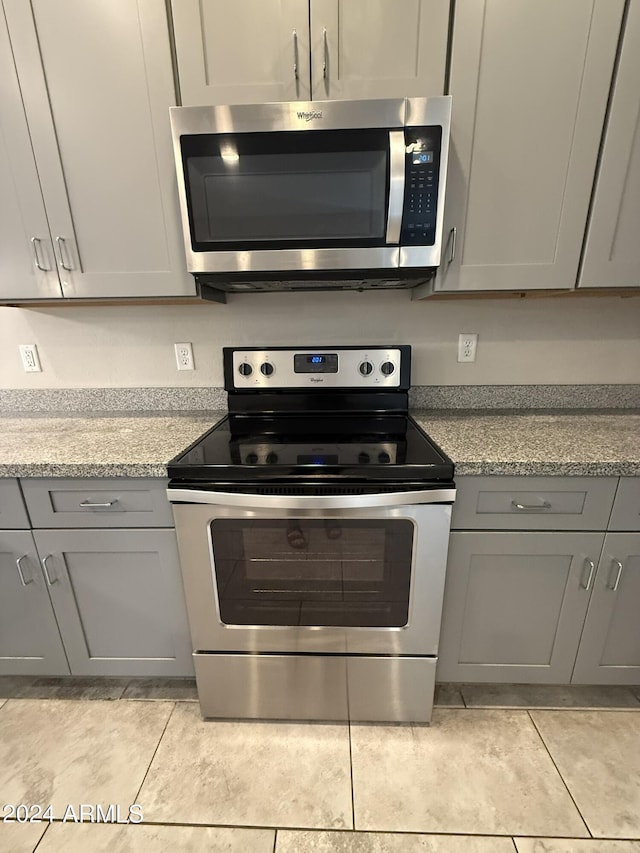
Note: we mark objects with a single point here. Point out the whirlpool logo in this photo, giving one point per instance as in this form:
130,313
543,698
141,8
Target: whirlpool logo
308,116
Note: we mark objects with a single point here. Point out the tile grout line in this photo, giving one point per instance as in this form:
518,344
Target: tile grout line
353,795
319,830
144,778
46,829
544,743
275,840
515,846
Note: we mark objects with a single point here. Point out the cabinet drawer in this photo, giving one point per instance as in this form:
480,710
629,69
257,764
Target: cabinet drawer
98,503
533,503
13,515
626,507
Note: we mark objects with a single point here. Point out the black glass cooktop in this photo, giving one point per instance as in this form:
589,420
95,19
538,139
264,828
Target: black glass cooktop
387,447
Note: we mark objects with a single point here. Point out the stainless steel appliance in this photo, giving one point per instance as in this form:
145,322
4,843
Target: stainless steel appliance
319,195
313,525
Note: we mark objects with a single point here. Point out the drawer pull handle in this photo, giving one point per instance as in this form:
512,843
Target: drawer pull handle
614,586
531,508
592,568
46,570
23,581
92,505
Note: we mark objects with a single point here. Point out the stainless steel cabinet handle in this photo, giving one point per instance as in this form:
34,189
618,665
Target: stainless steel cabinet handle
531,508
46,570
454,234
23,581
592,567
35,242
614,586
295,56
325,54
61,250
91,504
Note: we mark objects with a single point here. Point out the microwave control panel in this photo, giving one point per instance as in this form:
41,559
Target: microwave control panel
422,167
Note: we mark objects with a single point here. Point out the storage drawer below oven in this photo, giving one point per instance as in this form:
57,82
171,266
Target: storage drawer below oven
316,687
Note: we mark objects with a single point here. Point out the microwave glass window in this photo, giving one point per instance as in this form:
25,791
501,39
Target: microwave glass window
294,188
323,572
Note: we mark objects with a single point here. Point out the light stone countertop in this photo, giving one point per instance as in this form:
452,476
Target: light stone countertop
479,442
100,445
541,443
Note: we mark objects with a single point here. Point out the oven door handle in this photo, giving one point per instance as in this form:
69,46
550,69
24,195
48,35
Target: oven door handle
326,502
396,186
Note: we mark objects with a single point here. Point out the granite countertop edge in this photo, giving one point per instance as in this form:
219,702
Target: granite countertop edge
506,443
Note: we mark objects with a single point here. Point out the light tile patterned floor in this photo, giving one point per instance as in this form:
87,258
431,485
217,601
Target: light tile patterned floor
479,780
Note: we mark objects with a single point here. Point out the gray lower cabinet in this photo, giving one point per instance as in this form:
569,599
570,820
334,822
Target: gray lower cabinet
118,599
515,604
610,646
30,642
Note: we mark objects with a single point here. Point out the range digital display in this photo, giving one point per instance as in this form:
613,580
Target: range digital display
316,362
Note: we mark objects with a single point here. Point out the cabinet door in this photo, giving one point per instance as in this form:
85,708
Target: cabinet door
97,84
24,229
30,642
118,599
514,605
530,81
378,48
610,645
242,53
612,250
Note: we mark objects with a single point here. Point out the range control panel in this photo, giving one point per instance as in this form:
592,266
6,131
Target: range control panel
321,367
422,166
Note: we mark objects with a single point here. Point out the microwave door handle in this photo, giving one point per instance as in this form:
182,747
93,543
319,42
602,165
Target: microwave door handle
396,185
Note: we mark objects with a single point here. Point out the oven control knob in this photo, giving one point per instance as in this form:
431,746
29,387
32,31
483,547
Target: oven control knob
245,369
272,458
387,368
252,458
366,368
363,457
383,456
266,369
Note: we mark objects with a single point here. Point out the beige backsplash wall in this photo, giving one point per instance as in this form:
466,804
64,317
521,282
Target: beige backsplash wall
521,341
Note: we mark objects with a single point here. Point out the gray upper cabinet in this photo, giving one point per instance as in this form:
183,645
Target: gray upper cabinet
612,249
378,48
27,267
288,50
30,642
97,83
610,645
530,81
242,53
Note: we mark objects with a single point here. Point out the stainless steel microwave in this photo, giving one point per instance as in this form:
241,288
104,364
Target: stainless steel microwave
312,194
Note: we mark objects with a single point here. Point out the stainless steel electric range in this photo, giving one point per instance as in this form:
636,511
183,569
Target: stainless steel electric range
313,525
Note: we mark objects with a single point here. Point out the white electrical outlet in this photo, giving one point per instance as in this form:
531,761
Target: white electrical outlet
184,356
467,345
29,356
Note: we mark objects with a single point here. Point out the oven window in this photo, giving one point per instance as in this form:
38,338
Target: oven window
338,572
276,190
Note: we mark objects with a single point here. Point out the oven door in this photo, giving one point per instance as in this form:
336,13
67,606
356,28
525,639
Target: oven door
301,187
283,574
